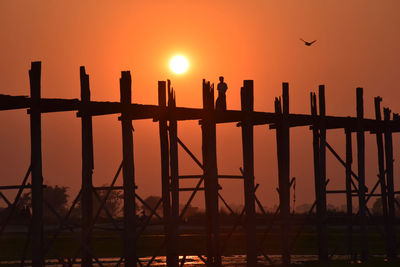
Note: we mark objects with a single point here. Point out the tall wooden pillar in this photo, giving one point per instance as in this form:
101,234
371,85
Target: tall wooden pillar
316,157
319,154
36,163
165,179
87,168
349,198
163,132
283,150
390,187
381,175
247,99
361,175
174,220
210,171
321,181
128,172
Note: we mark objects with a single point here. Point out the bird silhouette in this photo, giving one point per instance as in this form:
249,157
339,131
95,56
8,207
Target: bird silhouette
308,43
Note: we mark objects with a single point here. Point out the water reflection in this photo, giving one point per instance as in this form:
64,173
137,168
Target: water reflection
196,261
240,260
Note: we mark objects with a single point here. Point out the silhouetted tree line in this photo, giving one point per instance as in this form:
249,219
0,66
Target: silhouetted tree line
56,206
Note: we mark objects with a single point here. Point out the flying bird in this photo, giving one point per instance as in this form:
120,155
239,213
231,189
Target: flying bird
308,43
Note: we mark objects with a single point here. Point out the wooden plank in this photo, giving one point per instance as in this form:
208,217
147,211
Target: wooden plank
36,163
10,187
283,151
392,252
60,105
9,204
128,172
209,149
223,176
190,189
87,170
361,175
8,102
187,150
336,155
247,103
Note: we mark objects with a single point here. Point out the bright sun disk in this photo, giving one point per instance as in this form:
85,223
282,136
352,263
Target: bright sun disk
179,64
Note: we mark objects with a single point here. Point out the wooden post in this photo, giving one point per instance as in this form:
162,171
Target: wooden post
174,220
165,184
390,187
209,148
283,151
163,132
36,163
247,99
128,172
321,181
381,175
361,175
87,168
317,171
349,198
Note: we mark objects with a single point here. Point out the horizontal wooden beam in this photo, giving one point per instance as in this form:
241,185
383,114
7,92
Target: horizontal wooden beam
222,176
338,191
7,187
155,112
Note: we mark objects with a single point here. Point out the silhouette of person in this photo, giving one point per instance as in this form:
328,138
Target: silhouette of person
221,100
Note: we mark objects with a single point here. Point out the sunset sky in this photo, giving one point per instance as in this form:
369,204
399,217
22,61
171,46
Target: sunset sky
358,44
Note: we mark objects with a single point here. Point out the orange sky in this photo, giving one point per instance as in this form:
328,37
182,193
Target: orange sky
358,45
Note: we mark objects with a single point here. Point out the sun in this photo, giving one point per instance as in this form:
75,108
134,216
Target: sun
179,64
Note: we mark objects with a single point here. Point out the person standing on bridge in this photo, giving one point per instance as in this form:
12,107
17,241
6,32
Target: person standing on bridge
221,100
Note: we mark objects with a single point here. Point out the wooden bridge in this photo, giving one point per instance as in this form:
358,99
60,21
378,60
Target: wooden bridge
166,114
